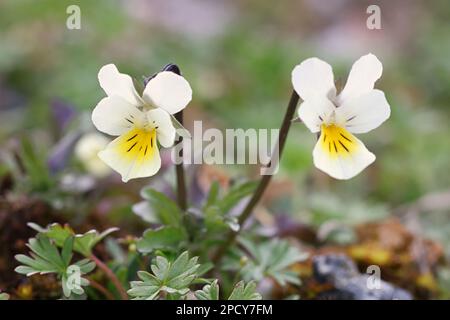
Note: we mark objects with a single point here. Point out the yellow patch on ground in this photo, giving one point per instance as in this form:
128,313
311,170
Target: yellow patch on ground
337,141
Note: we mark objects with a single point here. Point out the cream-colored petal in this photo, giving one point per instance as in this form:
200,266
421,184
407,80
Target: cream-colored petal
363,75
314,78
133,155
364,113
340,154
114,116
169,91
86,150
118,84
314,111
162,122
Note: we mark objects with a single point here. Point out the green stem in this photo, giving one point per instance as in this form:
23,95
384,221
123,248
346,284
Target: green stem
181,181
108,295
265,180
111,275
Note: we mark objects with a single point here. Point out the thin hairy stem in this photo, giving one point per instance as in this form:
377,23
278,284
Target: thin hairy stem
111,275
94,284
265,180
181,181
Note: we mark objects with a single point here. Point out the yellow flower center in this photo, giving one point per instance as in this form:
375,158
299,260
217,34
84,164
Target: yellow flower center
138,144
337,141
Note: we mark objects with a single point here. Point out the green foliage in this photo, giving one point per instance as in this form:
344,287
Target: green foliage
161,210
236,194
164,238
83,243
241,291
271,259
35,167
208,292
216,208
326,207
164,210
244,291
46,258
171,278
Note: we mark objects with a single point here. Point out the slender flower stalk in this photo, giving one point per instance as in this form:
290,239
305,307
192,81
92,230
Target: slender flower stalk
248,210
110,274
181,181
101,289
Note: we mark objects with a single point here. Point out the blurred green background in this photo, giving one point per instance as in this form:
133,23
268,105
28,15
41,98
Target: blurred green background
238,56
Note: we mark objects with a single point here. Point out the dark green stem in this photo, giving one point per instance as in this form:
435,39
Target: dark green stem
111,275
181,181
265,180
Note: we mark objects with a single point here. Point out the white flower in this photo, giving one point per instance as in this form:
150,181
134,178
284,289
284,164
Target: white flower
139,122
87,149
359,108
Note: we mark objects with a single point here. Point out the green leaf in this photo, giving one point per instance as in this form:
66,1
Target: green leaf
240,292
166,210
213,194
35,166
271,259
43,248
208,292
245,292
86,265
83,243
66,252
169,277
204,268
236,194
163,238
46,258
216,209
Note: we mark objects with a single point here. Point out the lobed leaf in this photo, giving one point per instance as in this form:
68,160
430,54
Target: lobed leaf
83,243
244,291
163,238
209,292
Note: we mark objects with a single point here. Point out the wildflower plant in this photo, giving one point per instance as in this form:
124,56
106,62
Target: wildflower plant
198,249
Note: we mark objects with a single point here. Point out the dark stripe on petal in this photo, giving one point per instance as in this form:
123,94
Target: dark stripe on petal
132,147
132,137
343,146
345,137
